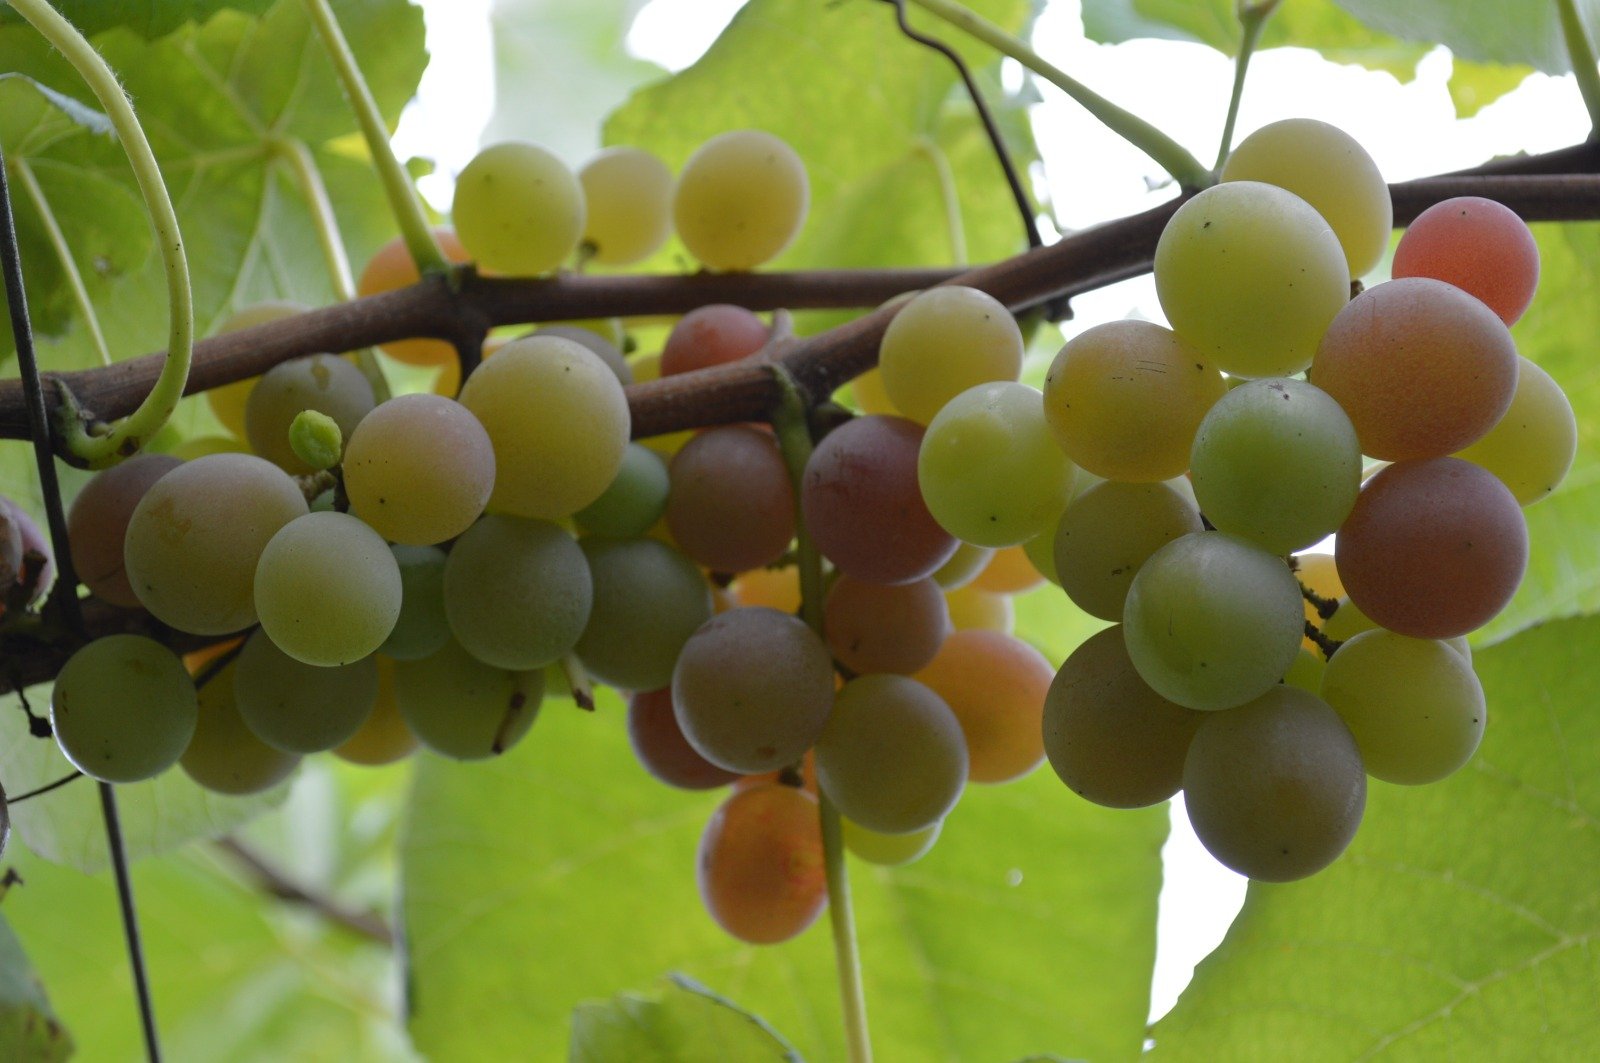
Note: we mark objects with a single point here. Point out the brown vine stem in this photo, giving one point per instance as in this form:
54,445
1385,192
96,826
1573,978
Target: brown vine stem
1558,186
273,881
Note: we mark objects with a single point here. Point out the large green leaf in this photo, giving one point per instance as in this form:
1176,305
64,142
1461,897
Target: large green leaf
561,871
1525,32
148,18
29,1030
1462,922
680,1020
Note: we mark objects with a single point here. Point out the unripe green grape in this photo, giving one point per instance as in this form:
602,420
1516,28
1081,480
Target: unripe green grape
944,341
1212,621
892,757
316,440
963,566
648,600
419,469
1414,705
1306,671
1275,788
461,708
1327,168
225,756
1532,446
421,629
628,196
517,593
518,209
123,709
635,499
989,469
327,589
1041,551
558,421
741,199
196,537
888,850
323,382
1277,463
301,708
1107,533
1251,275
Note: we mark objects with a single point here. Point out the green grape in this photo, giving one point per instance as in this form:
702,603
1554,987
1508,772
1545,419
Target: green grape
97,524
325,383
316,440
1348,621
1110,738
1324,166
1212,622
741,199
1041,551
224,755
419,469
518,209
197,535
635,499
301,708
753,689
517,592
888,850
648,600
1124,399
1108,532
628,193
989,469
603,348
558,421
963,566
1306,671
892,757
1532,446
1277,463
421,629
328,589
123,708
941,343
1275,788
1414,705
1251,275
460,707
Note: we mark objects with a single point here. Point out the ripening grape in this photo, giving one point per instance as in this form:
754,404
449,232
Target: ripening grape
383,736
870,395
1275,789
989,469
1348,621
863,507
559,424
888,850
775,588
31,538
602,348
1422,368
712,335
229,401
892,757
661,749
517,593
421,628
1041,551
1124,399
1276,463
10,547
1251,275
301,708
871,627
1008,572
461,708
323,382
327,589
1414,705
1324,166
974,609
1479,246
648,600
964,565
1108,532
627,193
1306,672
1110,738
225,756
996,685
731,506
97,524
1212,621
518,209
760,864
391,267
635,499
753,689
196,536
123,708
741,199
941,343
419,469
1433,549
1530,448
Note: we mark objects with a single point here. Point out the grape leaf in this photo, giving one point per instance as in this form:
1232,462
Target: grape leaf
1525,32
1460,923
29,1030
148,18
680,1020
1473,86
565,848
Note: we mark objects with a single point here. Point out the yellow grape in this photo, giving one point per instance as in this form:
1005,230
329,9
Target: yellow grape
741,199
518,209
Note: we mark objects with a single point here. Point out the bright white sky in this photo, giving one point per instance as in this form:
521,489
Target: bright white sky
1409,129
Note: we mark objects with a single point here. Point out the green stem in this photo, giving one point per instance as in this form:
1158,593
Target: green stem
69,265
1252,18
948,196
791,423
1581,50
124,437
403,202
1168,153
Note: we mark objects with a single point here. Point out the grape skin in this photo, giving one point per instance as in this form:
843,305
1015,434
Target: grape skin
731,506
421,628
517,593
328,589
760,864
1107,533
225,756
995,685
648,600
464,709
301,708
715,334
627,195
1530,448
419,469
661,749
741,199
97,524
123,709
943,342
635,499
1477,245
518,209
383,737
323,382
875,628
229,401
888,850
